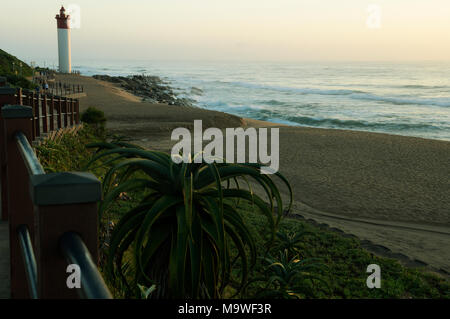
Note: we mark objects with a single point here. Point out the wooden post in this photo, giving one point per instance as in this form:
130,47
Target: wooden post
66,109
28,98
64,202
33,120
18,119
72,110
38,115
77,111
59,119
44,114
7,96
52,113
19,96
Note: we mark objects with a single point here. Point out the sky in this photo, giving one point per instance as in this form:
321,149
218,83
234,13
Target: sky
243,30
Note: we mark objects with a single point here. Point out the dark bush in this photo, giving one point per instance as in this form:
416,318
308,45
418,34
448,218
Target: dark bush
19,81
95,118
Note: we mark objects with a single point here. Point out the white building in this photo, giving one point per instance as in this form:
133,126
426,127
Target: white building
63,20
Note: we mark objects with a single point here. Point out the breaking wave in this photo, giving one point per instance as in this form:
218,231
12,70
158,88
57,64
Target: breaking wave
353,94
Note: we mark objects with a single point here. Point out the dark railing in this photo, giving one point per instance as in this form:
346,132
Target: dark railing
52,218
58,88
32,163
48,114
29,260
76,252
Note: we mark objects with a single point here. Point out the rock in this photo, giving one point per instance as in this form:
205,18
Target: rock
150,88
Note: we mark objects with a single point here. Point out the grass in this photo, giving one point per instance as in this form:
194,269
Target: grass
15,70
346,261
68,152
9,64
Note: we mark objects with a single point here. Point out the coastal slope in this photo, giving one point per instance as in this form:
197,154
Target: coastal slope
387,189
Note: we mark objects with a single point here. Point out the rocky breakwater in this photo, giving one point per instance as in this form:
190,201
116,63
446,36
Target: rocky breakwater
151,89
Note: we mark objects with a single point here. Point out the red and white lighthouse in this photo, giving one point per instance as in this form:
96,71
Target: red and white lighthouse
63,20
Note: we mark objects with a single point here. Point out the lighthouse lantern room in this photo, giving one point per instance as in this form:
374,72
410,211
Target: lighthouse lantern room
63,21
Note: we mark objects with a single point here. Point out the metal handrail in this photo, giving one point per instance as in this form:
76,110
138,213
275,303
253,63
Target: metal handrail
29,260
29,157
75,251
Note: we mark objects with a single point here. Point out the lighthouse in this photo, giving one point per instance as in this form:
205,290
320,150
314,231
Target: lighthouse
62,19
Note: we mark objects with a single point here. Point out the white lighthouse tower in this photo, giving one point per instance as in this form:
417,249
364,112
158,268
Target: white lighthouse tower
65,64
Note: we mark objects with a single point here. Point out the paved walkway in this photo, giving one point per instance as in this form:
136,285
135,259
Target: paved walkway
4,260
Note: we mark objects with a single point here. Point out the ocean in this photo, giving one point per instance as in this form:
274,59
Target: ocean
411,99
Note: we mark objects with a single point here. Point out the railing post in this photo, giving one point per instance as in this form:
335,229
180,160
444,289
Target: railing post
7,96
77,111
44,115
17,118
59,118
37,113
66,109
19,97
72,110
27,98
52,113
33,120
64,202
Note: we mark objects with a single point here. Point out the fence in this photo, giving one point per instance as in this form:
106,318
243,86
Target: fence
50,112
60,88
53,219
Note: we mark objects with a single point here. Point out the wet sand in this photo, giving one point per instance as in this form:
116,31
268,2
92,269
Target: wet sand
391,190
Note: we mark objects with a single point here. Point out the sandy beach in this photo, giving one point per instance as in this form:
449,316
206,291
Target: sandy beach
390,191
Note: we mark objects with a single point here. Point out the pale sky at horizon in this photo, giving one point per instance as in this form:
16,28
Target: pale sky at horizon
276,30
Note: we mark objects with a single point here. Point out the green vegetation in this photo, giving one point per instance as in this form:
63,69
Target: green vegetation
9,64
15,71
303,262
95,118
346,262
182,235
67,152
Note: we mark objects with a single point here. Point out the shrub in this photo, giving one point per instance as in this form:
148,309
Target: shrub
95,118
183,235
67,152
19,81
287,275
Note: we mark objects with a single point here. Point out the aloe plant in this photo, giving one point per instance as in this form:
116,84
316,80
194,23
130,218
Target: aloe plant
185,235
284,276
290,241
